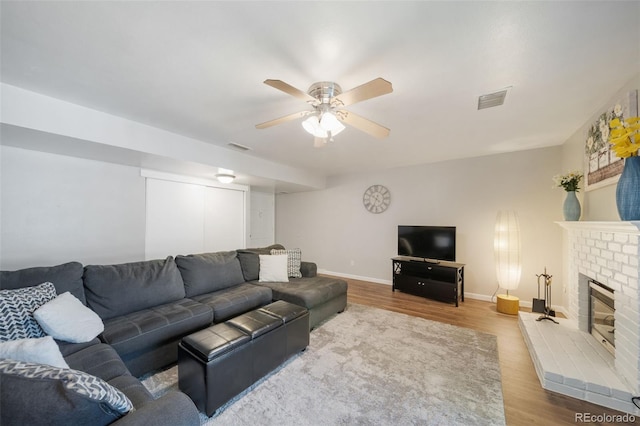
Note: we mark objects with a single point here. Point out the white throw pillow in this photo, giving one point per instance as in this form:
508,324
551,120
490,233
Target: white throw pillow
66,318
43,350
273,268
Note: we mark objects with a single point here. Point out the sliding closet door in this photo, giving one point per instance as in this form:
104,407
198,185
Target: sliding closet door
185,218
224,225
175,218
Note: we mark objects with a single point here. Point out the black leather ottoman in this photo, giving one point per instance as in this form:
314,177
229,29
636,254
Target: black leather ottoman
296,323
218,363
268,340
213,366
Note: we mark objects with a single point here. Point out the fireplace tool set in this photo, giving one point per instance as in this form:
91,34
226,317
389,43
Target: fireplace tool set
543,306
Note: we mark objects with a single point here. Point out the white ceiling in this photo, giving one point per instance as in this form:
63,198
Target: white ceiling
196,69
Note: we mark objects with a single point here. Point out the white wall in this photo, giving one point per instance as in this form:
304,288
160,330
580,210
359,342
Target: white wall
332,227
262,219
57,209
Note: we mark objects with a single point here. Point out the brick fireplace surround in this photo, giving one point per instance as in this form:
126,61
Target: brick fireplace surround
567,358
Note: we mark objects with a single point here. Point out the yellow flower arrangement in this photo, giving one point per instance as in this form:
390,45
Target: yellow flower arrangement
625,136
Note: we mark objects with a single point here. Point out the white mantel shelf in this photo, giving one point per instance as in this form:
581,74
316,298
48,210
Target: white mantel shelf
614,227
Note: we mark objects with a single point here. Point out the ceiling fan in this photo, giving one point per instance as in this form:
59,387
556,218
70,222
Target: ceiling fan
327,117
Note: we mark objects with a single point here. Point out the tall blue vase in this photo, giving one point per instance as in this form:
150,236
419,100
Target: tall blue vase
628,190
571,207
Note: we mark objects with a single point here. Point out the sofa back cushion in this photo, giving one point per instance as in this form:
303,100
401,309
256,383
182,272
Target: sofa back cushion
208,272
115,290
250,262
65,277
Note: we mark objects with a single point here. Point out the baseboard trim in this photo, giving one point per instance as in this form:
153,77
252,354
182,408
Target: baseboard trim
355,277
475,296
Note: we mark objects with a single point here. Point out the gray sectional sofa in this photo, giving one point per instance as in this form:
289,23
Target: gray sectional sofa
146,308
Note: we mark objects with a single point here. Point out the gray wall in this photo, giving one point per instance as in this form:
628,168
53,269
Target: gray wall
332,227
55,209
598,204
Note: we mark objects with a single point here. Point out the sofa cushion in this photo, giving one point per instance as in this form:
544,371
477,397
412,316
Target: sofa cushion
250,262
294,260
34,392
207,272
17,308
65,277
115,290
155,326
235,300
134,390
307,292
66,318
68,348
42,350
99,360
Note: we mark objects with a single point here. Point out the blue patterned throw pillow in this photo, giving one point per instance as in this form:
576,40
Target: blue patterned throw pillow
16,311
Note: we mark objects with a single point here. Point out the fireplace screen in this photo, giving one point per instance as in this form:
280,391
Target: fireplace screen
602,321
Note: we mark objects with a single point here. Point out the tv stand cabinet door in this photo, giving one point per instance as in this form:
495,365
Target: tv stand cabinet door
409,284
440,290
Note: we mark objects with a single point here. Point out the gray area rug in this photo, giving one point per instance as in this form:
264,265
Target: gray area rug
369,366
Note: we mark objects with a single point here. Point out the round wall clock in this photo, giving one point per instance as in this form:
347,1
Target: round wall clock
376,198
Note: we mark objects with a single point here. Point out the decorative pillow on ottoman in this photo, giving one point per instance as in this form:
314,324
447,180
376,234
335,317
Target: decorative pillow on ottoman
294,260
66,318
16,311
36,393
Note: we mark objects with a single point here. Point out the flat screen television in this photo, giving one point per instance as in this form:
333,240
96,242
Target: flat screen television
427,242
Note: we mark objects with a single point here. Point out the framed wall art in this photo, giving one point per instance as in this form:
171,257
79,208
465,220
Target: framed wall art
601,165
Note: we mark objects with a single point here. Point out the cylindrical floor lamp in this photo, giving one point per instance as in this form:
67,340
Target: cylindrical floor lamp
506,245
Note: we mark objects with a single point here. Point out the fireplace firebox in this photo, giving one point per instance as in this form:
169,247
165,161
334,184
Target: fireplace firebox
602,315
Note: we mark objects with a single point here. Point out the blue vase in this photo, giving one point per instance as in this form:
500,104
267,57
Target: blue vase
571,208
628,190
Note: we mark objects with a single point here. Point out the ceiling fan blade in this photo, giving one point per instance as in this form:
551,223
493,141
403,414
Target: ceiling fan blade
284,119
372,89
290,90
361,123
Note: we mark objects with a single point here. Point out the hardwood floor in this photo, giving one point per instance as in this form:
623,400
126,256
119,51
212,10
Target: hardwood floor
525,401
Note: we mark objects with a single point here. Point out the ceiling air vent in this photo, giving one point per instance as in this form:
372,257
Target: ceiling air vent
492,99
238,146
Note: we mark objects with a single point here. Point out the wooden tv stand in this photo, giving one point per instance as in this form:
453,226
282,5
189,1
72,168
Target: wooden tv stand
434,280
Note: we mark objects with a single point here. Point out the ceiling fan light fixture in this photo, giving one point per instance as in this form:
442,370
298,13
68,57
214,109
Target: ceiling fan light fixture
312,125
328,118
324,126
330,123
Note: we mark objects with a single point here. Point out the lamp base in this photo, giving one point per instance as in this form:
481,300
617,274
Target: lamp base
508,304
